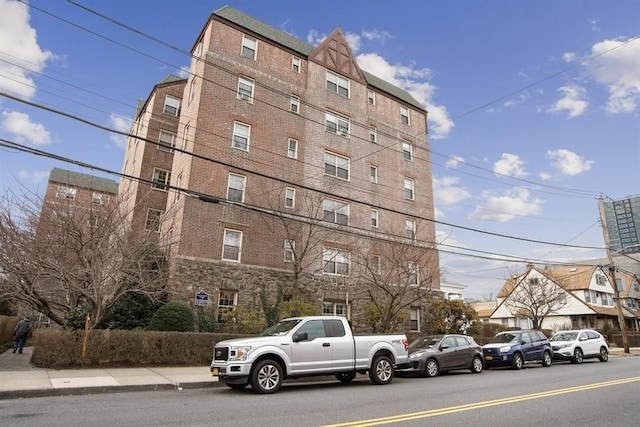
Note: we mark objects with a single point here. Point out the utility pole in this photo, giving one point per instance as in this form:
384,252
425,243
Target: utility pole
616,294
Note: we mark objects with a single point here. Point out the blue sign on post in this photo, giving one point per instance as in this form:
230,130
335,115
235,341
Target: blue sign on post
202,299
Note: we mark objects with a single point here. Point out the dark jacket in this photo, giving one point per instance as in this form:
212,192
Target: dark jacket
22,328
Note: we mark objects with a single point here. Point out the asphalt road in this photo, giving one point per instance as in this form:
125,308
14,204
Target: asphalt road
590,394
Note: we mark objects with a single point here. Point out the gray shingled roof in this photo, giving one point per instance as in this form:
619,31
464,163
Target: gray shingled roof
171,78
81,180
304,49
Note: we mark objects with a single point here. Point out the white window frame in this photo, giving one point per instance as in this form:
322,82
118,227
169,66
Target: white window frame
409,189
294,104
296,65
373,134
99,198
373,174
334,163
410,228
151,221
338,84
226,296
376,264
371,97
236,183
171,104
374,218
66,192
229,242
289,250
246,89
335,308
249,46
405,117
338,124
335,211
292,148
166,141
407,151
414,319
241,136
159,182
335,262
290,197
413,273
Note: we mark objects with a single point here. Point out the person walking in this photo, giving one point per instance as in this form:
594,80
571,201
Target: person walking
20,333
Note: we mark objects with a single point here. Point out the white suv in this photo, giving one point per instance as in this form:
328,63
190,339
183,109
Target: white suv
578,345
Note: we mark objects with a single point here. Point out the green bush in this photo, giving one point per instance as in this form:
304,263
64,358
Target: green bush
173,316
75,318
206,319
131,311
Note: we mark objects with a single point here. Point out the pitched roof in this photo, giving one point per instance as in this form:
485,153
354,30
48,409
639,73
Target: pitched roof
569,278
81,180
304,49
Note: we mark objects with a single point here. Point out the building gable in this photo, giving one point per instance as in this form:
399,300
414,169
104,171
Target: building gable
334,54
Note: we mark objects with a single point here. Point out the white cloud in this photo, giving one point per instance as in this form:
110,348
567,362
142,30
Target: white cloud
23,129
573,101
354,41
35,176
122,124
545,176
379,35
453,161
415,81
619,71
521,98
505,207
19,50
569,56
510,165
447,192
594,25
568,162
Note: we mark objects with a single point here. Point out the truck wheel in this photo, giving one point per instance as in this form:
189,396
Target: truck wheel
236,386
517,362
266,377
431,368
346,377
546,359
381,371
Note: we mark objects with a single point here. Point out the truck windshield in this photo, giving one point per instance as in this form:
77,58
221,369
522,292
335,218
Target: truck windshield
280,328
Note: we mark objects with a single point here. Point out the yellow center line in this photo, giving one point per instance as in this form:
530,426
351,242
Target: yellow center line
485,404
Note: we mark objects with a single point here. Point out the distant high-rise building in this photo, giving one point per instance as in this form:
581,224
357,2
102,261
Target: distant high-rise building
621,224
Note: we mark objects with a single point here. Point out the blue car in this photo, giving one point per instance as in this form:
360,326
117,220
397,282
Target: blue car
515,348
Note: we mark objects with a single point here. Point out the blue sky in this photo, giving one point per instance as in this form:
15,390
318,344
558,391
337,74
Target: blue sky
533,105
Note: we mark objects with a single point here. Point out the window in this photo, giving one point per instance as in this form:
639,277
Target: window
185,136
371,96
232,245
404,115
64,192
600,280
376,264
593,297
192,89
337,84
314,329
336,211
153,220
407,152
290,197
161,179
289,248
619,285
296,64
227,301
292,148
336,123
410,227
374,218
408,188
373,134
249,47
412,273
294,104
373,174
245,89
166,141
235,190
587,296
335,262
334,309
414,319
94,220
241,134
171,106
336,165
100,198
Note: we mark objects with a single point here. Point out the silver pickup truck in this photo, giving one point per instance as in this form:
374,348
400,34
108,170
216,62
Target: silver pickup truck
306,346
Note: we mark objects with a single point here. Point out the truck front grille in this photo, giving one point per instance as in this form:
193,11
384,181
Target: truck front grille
221,353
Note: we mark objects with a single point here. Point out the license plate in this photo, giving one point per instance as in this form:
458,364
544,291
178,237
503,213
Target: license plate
215,372
488,358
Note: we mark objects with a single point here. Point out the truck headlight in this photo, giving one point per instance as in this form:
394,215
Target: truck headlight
239,353
505,349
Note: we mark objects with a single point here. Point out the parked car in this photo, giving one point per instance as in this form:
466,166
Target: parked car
433,354
578,345
515,348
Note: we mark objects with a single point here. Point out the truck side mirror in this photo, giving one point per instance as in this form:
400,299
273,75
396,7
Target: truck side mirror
300,336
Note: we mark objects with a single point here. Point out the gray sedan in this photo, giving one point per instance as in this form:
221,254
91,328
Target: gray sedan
433,354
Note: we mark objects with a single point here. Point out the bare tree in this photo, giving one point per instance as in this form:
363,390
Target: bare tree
536,298
59,257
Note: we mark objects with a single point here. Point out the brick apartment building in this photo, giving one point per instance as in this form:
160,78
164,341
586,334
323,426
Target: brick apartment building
308,172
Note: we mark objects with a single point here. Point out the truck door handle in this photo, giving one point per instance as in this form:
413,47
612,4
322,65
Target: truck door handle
326,344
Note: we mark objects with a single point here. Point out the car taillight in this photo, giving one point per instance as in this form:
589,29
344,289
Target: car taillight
406,345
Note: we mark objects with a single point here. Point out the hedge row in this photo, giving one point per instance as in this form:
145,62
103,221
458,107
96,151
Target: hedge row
7,324
57,348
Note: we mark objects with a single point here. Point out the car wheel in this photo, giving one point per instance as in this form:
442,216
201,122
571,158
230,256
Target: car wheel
237,386
346,377
578,357
476,365
381,371
546,359
517,362
431,368
266,377
604,354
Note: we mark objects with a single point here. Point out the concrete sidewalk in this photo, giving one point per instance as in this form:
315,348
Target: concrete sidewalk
18,378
